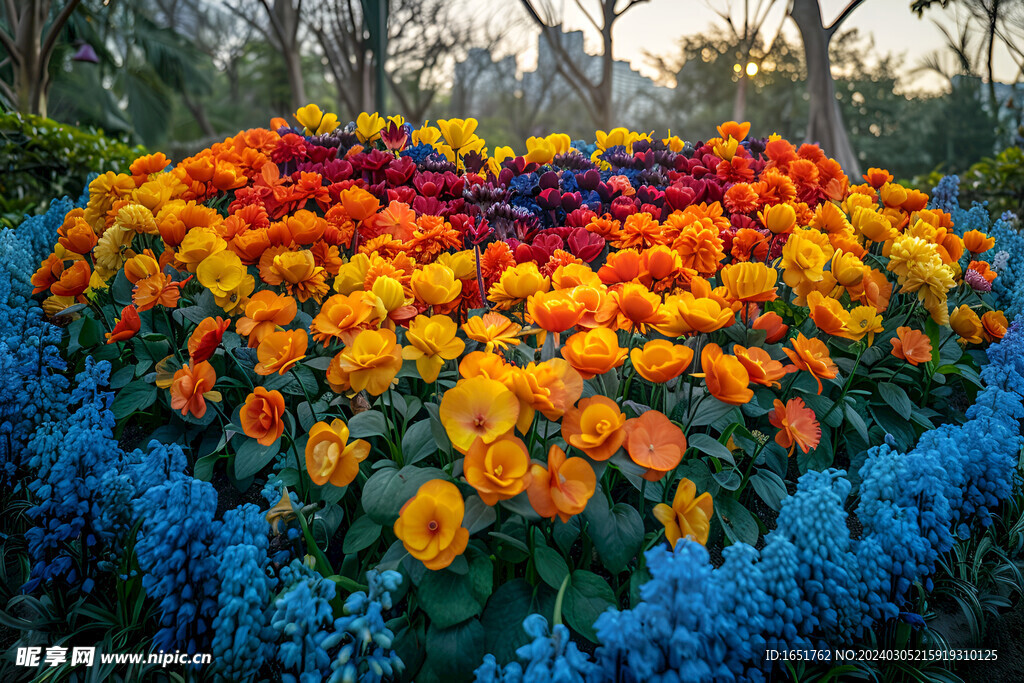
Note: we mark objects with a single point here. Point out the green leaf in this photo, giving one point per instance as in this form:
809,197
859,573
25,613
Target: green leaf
711,446
251,457
550,565
481,576
479,515
897,399
566,533
729,479
387,490
418,442
122,377
447,598
617,532
134,398
821,405
361,535
503,617
586,599
857,421
710,410
770,487
740,526
368,423
203,468
819,459
453,653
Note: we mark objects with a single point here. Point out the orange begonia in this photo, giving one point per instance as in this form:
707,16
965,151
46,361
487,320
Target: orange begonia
797,425
432,341
279,351
595,426
978,242
157,289
654,443
636,306
594,352
966,323
371,362
493,330
726,377
430,524
497,470
331,457
73,280
191,387
661,360
127,326
760,366
773,326
750,282
262,415
689,516
551,387
993,325
563,487
478,407
911,345
435,284
264,313
343,316
827,313
812,355
555,311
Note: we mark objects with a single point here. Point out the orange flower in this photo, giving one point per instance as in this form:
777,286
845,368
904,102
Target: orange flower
359,204
79,238
994,325
157,289
370,362
595,426
703,314
877,177
478,407
978,242
812,355
297,271
750,282
621,266
206,338
661,360
494,330
741,198
700,246
594,352
343,316
797,425
760,366
636,305
733,129
654,443
330,457
827,313
191,387
279,351
432,341
780,218
983,269
563,487
498,470
489,365
726,377
128,325
555,311
264,312
262,416
430,524
689,516
435,284
552,387
140,266
847,269
911,345
73,281
874,290
773,326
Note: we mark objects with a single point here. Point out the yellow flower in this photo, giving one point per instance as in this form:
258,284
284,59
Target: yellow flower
427,135
478,408
315,121
435,284
518,283
352,275
430,524
113,248
864,320
371,361
500,155
803,260
458,133
494,330
199,244
539,150
462,263
390,293
432,341
907,250
689,516
369,126
331,457
221,273
238,296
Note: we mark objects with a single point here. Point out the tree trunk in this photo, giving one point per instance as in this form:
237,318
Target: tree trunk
824,118
739,105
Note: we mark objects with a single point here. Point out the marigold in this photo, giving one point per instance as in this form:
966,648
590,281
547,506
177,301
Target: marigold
689,516
911,345
660,360
478,407
654,443
563,487
192,387
797,425
432,341
262,416
812,355
595,426
594,352
370,362
430,524
498,470
280,351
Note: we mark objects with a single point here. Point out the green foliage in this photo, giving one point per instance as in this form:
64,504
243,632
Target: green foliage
41,159
998,180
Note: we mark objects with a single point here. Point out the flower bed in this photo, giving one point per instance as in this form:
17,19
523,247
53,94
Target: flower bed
496,386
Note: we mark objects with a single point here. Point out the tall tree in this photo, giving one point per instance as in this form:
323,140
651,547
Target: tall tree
281,22
596,93
28,35
824,117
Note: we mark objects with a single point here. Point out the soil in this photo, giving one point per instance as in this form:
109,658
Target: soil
1005,635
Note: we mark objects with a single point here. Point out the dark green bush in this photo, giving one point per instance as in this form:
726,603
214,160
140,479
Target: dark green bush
40,159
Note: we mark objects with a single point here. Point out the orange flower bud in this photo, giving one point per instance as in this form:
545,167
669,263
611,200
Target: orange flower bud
771,322
555,311
127,326
780,218
262,416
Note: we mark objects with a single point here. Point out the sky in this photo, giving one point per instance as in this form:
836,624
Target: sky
656,26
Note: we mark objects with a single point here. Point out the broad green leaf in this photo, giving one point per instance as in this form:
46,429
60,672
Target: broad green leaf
503,617
587,597
897,398
550,565
447,598
770,487
739,524
479,515
617,532
134,398
711,446
418,443
387,490
251,457
366,424
453,653
361,535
